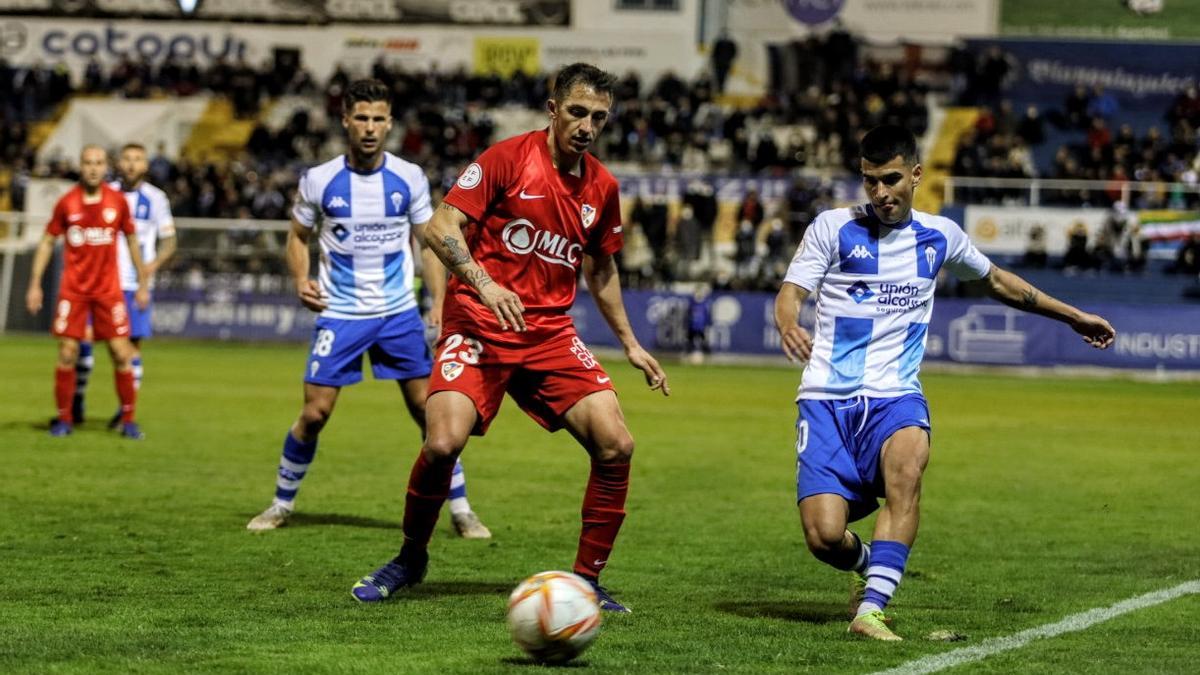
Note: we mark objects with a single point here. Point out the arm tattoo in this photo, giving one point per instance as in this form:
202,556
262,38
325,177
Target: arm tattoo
457,255
477,278
1029,298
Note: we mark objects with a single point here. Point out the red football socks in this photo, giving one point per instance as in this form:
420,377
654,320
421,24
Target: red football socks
127,393
64,392
603,513
428,487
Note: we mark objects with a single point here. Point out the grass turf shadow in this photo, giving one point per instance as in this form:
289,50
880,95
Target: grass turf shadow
802,612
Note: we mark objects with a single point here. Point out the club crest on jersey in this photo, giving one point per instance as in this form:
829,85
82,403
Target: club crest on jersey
588,213
451,370
109,215
471,176
930,257
397,200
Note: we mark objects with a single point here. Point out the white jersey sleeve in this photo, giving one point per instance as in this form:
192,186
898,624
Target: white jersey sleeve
963,259
165,221
814,256
420,211
307,209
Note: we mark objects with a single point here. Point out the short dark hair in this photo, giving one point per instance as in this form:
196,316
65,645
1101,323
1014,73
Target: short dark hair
585,74
133,146
887,141
366,91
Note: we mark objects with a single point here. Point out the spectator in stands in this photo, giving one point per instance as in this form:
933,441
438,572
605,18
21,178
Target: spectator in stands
724,52
1102,104
751,209
1104,256
1187,258
1035,250
1077,258
994,69
745,249
1031,129
699,320
1075,108
689,237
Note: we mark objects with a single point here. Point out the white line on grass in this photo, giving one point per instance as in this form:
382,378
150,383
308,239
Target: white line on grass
1075,622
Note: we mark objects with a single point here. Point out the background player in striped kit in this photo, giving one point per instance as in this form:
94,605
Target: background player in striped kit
151,211
863,430
368,204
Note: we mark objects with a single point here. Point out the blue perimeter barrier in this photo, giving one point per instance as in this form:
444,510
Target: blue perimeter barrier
962,331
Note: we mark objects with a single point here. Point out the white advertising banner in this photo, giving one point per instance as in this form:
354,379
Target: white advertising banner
110,123
1004,230
29,41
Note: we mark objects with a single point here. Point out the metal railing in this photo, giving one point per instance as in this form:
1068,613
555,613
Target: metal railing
1033,191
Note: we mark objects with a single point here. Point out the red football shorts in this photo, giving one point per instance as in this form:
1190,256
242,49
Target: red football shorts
110,317
545,379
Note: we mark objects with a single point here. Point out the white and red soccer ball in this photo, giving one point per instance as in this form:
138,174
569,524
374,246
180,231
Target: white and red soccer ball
553,616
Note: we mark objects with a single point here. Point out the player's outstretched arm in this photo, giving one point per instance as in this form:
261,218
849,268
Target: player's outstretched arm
796,342
1015,292
433,275
605,285
41,258
444,236
166,250
308,290
142,295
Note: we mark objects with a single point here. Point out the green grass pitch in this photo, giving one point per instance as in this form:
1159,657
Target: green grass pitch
1045,497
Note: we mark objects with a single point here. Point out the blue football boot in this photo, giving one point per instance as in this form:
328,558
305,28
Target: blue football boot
383,582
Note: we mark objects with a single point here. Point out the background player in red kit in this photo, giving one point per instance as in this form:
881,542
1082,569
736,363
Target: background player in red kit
515,230
90,217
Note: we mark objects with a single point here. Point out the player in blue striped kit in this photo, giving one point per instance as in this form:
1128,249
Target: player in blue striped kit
368,206
864,428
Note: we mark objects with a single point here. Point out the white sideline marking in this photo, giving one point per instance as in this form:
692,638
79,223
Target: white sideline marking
1075,622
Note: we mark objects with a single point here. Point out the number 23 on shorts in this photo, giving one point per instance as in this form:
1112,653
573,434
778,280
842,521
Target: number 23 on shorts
451,351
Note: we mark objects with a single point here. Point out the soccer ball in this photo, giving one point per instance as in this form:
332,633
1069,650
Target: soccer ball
553,616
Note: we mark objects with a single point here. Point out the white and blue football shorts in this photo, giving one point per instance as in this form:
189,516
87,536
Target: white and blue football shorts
139,319
839,442
395,343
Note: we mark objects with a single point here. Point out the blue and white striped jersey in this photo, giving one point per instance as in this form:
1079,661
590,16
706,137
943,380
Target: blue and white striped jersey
874,288
365,221
151,212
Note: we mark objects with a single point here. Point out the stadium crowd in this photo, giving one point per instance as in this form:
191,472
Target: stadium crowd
822,89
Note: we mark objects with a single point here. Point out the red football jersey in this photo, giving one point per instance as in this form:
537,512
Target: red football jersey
90,227
531,226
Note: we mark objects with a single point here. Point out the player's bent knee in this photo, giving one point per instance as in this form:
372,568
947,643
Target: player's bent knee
618,450
314,417
823,541
443,447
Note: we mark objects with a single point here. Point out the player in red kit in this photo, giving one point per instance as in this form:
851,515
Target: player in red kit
90,217
515,230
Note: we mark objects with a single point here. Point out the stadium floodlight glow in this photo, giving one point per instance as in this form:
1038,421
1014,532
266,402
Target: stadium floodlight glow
188,6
